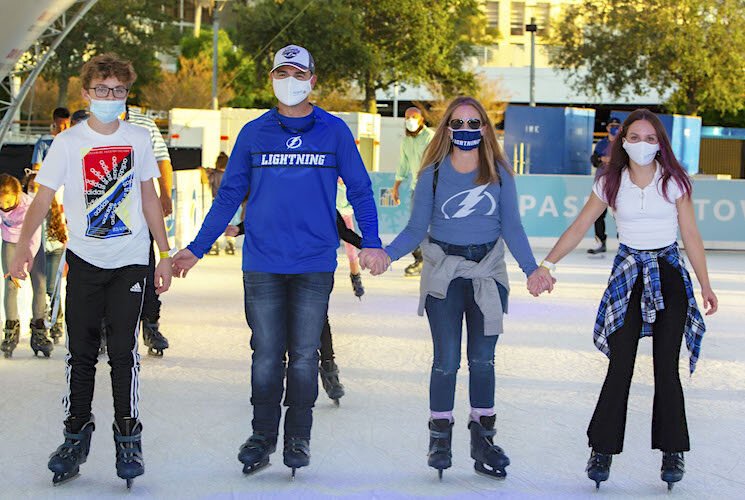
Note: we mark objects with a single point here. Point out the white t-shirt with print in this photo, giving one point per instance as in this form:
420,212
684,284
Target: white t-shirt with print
103,198
645,218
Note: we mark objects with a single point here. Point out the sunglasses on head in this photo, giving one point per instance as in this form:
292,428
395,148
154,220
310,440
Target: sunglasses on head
473,123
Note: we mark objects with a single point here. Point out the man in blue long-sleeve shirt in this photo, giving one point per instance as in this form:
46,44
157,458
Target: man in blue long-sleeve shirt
288,161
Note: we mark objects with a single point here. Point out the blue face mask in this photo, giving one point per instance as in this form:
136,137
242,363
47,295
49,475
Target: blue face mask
466,140
106,111
613,131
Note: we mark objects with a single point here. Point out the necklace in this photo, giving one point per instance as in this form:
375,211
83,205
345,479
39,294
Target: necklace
296,131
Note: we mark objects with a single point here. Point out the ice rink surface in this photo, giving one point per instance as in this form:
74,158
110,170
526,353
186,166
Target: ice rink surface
196,413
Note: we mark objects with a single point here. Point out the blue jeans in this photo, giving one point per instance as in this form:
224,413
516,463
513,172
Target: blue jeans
446,324
286,313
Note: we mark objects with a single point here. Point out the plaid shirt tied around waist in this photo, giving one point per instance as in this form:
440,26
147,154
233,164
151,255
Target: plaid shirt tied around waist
626,267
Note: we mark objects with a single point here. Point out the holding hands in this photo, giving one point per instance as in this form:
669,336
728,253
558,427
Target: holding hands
540,281
374,259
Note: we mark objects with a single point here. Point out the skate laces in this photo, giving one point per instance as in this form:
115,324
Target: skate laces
600,460
672,460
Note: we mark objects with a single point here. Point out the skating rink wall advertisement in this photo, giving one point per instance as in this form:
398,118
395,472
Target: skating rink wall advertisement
550,203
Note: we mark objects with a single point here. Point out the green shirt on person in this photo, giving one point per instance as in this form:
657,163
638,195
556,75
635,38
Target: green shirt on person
412,150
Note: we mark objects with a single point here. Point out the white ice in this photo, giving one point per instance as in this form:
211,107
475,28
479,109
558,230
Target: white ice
196,412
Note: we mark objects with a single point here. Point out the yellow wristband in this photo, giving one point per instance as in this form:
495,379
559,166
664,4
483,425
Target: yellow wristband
168,254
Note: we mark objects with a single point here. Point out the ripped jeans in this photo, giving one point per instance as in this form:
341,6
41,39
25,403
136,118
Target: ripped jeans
446,325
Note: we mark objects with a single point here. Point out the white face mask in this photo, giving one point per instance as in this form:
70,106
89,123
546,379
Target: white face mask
412,124
642,153
291,91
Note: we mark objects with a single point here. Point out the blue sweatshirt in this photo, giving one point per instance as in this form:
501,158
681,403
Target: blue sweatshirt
464,213
289,169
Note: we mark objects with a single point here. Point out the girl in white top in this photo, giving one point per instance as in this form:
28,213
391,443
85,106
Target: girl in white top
649,292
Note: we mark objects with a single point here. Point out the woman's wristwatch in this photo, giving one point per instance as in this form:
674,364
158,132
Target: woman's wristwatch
548,265
168,253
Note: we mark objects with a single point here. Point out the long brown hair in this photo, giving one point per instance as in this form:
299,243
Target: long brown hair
619,159
491,155
56,229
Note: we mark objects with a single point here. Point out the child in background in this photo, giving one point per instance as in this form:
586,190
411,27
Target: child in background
53,239
13,206
344,208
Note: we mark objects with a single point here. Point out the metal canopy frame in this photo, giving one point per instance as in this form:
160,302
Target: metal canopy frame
80,8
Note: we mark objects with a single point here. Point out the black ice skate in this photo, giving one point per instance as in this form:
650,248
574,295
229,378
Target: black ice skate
12,333
440,456
152,338
673,468
230,248
296,453
489,458
598,467
66,460
329,373
598,249
128,443
214,250
254,454
357,287
415,269
40,342
57,328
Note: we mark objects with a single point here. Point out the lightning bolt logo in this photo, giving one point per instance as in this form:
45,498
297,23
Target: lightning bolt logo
468,204
294,142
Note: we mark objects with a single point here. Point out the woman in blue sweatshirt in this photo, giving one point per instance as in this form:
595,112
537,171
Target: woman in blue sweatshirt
465,210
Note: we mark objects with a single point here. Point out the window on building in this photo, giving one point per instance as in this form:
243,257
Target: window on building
517,18
492,14
543,18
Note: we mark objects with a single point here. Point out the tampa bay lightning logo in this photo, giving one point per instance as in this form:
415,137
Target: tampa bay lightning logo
290,52
294,142
469,200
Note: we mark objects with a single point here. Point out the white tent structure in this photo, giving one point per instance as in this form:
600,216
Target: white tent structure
21,25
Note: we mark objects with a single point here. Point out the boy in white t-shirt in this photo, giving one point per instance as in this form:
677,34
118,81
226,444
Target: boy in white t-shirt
107,168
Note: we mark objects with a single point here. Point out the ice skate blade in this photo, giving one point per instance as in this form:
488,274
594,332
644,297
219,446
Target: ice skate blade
129,483
439,474
336,402
670,486
62,478
482,469
249,469
156,353
292,478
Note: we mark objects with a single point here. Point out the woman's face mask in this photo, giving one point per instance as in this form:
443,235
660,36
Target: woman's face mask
642,153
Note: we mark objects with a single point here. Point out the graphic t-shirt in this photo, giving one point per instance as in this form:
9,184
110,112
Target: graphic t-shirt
103,198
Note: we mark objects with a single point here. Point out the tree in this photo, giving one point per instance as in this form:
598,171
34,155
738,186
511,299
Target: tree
135,29
189,87
231,60
372,43
690,51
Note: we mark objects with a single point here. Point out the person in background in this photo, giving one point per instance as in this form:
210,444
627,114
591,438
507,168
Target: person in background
60,123
345,210
213,177
54,237
14,205
417,137
79,116
599,159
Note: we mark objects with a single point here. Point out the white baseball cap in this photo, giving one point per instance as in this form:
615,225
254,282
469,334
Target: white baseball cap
296,56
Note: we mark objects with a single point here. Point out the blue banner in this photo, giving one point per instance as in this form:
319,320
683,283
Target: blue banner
550,203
